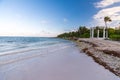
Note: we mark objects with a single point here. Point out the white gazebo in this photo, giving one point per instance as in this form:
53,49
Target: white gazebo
98,32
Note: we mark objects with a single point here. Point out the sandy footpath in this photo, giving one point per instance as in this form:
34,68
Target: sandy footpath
67,63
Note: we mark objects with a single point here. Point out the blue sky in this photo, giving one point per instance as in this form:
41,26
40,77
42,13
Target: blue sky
48,17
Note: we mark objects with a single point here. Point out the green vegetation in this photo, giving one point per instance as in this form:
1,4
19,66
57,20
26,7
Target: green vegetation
114,34
115,37
84,32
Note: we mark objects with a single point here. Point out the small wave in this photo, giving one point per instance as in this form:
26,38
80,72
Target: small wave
10,41
13,57
14,52
18,59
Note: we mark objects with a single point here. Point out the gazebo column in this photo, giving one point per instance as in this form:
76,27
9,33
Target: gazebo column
104,32
92,32
98,33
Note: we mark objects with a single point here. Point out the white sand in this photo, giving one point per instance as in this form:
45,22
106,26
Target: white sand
67,63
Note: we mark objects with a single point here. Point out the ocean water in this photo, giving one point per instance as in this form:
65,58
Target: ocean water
9,45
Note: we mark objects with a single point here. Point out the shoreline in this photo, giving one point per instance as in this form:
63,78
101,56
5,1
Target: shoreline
102,53
65,62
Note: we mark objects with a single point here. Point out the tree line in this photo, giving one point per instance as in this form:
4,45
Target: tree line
84,32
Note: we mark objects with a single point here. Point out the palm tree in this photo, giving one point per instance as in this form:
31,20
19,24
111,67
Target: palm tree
107,19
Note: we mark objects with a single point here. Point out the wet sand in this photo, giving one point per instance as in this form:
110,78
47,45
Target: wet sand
64,64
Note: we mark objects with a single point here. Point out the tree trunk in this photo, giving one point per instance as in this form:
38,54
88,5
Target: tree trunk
106,30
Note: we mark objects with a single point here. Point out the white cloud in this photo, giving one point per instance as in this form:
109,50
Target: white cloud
105,3
113,13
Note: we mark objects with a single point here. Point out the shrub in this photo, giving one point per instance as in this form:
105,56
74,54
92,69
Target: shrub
115,37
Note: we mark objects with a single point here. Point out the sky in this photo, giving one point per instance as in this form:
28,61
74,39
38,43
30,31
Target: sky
48,18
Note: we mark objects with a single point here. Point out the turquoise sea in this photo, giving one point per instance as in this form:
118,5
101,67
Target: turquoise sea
13,44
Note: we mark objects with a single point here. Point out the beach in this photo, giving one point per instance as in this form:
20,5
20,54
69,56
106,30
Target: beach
59,39
58,62
104,52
